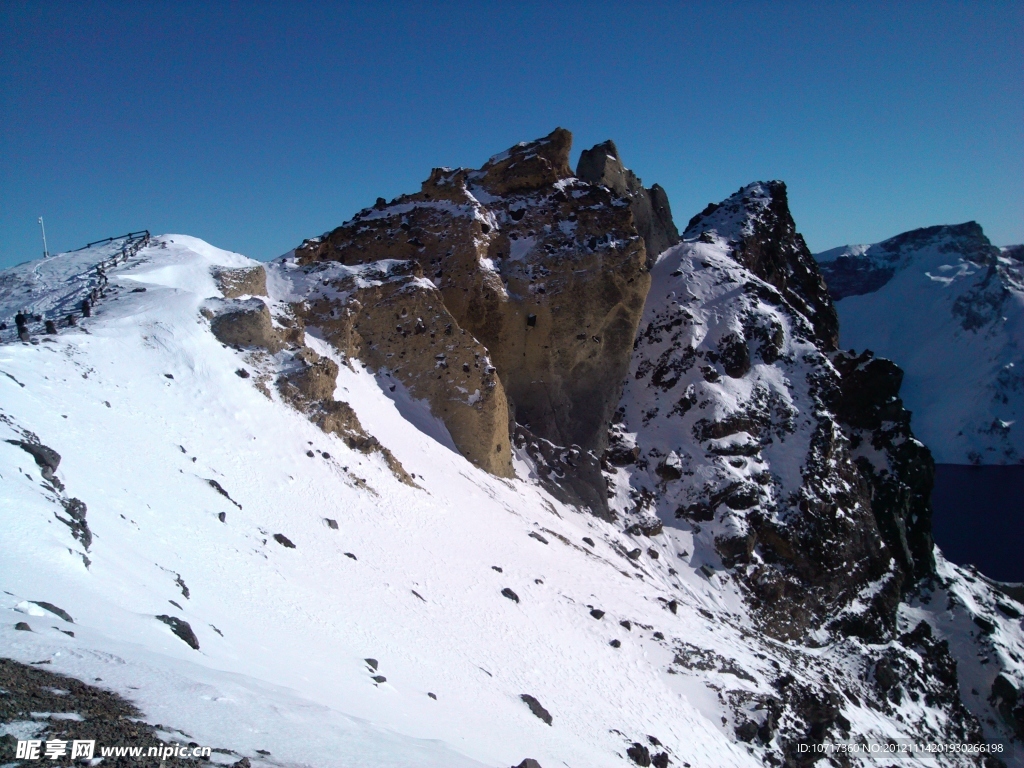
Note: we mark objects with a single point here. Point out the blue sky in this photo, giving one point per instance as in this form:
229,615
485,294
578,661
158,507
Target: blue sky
253,125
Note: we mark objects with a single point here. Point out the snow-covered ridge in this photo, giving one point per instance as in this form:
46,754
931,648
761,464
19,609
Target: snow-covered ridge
735,217
948,307
853,270
145,408
295,560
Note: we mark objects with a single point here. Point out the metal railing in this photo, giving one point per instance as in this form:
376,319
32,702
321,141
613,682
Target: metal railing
141,233
92,283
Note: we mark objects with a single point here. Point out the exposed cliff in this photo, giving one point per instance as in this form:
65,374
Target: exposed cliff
651,211
548,273
387,316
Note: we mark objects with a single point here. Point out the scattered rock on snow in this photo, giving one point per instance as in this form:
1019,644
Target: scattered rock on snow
54,610
76,510
639,754
182,629
510,594
220,489
283,540
23,626
536,707
47,458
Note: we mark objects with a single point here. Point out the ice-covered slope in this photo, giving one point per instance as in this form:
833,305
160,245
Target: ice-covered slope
948,307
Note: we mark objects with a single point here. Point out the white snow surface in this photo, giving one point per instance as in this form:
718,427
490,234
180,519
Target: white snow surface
145,408
283,671
955,324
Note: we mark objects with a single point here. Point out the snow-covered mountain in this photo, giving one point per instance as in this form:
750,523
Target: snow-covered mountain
269,505
948,307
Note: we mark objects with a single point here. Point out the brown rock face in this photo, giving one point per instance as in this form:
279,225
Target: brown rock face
548,272
309,387
234,283
651,211
393,320
243,324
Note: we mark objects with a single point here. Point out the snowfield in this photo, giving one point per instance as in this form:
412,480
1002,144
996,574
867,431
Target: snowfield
283,633
188,471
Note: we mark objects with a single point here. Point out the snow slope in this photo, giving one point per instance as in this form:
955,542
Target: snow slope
948,308
620,640
283,670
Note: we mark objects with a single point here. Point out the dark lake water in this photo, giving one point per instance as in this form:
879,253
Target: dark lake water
978,517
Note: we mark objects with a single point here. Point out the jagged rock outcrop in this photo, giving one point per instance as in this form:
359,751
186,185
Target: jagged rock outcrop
763,238
308,384
898,468
789,469
386,315
727,412
546,271
651,211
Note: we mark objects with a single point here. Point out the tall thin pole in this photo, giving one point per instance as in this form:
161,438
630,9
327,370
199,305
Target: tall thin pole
46,251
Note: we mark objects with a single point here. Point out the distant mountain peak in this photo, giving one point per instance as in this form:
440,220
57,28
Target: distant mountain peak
853,270
948,307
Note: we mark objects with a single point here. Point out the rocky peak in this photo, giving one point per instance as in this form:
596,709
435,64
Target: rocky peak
528,166
651,211
725,432
758,228
546,271
741,425
601,165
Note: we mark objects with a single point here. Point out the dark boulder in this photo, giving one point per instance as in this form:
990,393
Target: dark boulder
639,754
182,629
47,458
536,707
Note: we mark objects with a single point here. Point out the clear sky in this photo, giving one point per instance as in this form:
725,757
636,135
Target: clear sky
253,125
